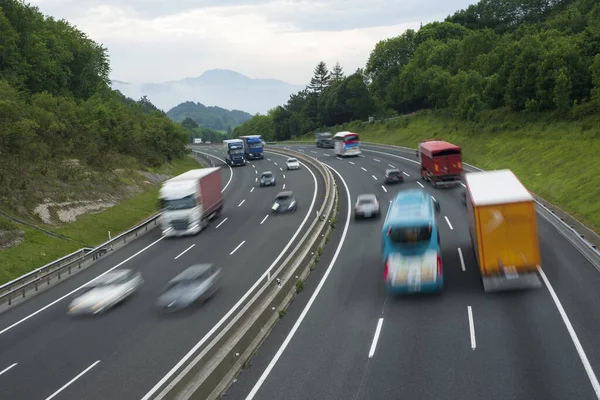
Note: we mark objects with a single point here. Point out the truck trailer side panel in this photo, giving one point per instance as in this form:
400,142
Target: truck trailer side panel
507,235
210,191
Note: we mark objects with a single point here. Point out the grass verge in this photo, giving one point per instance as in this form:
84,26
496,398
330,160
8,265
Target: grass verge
38,248
556,159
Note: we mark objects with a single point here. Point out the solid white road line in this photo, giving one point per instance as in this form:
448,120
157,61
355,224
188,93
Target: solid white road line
374,177
221,223
584,360
264,219
384,189
79,288
8,368
420,184
363,168
53,395
236,249
259,281
405,173
351,162
185,251
471,327
252,190
375,338
289,337
242,202
462,260
449,224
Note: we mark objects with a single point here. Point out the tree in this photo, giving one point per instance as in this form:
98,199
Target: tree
320,78
337,74
562,91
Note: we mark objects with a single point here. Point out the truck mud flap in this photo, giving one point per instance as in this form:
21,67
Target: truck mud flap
499,283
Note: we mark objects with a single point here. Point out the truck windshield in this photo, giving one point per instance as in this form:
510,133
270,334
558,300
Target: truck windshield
236,151
255,145
180,204
410,235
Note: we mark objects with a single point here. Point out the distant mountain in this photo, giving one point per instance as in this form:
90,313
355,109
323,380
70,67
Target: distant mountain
222,88
209,117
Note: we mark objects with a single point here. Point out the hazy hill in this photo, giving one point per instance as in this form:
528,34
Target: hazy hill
209,117
222,88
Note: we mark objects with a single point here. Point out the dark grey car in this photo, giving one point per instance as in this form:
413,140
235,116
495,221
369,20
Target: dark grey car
196,283
285,202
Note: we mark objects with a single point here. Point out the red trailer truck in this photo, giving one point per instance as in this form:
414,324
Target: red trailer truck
441,162
189,201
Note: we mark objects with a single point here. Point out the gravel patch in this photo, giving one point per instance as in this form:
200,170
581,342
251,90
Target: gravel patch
69,211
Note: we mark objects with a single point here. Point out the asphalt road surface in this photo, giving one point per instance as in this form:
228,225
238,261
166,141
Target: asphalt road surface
45,354
345,338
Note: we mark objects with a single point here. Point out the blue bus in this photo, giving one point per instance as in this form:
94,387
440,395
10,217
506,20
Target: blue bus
411,244
253,147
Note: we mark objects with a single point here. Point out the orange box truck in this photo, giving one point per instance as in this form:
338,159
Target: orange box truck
503,227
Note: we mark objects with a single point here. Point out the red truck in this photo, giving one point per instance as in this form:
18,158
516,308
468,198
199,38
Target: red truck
441,162
190,200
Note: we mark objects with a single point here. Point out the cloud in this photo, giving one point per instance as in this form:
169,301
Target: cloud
151,40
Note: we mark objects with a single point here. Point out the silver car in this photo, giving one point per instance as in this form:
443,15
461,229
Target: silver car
367,206
196,283
292,163
105,292
267,178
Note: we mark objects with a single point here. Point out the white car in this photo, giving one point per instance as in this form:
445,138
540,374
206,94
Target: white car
292,163
106,292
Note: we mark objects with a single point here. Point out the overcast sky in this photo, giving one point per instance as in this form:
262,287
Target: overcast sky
162,40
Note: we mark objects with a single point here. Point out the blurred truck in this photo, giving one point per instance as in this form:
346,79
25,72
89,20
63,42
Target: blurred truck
503,228
324,139
234,152
190,200
253,147
441,162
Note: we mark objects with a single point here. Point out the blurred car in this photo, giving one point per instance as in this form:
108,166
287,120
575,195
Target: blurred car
367,206
393,176
292,163
285,202
267,178
196,283
105,292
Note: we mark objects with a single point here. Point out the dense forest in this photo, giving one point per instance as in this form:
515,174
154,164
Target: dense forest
215,118
527,56
56,105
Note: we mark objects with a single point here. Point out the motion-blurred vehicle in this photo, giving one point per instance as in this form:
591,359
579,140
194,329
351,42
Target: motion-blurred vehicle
441,162
292,163
324,139
267,178
285,202
195,284
411,248
503,227
105,292
367,206
393,176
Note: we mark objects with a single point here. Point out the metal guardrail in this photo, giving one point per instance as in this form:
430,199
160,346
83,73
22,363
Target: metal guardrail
573,226
55,271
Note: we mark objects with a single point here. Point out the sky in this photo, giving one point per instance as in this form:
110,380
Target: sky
162,40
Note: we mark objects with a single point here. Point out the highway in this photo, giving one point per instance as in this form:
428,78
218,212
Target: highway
345,338
45,354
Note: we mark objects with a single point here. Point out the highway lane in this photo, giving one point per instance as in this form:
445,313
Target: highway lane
424,346
135,344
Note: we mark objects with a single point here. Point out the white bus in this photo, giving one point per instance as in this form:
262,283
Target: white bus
346,144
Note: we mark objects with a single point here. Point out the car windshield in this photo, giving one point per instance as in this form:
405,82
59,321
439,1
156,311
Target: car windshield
393,173
292,160
180,204
267,175
284,199
366,200
410,235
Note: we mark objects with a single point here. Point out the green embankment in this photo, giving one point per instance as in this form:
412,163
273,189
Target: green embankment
38,248
558,160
